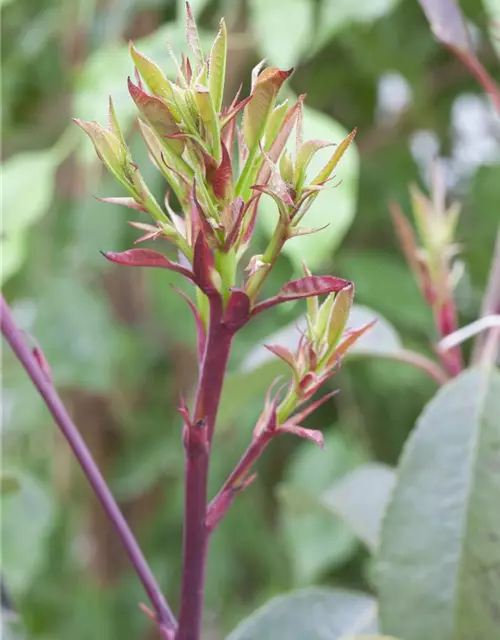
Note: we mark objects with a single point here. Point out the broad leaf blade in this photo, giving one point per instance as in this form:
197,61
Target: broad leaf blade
439,545
312,614
360,498
27,517
316,541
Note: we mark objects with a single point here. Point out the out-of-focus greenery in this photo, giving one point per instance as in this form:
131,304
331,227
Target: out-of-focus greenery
120,342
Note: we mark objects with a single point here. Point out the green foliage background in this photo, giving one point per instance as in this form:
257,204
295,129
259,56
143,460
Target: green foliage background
120,342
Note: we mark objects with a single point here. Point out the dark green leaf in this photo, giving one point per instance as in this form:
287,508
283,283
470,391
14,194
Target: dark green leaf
315,540
440,539
360,499
26,520
312,614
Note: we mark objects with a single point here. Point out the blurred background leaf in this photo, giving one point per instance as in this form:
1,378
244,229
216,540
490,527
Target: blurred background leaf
313,613
445,469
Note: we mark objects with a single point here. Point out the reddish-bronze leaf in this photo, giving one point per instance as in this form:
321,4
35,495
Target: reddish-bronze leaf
220,178
257,111
303,288
302,432
156,112
146,258
282,352
126,202
203,266
238,310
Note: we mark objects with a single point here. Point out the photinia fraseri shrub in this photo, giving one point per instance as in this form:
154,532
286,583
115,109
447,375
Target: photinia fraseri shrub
430,524
218,159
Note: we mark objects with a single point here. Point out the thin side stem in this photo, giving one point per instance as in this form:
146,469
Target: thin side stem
238,479
482,76
16,340
198,434
419,361
446,322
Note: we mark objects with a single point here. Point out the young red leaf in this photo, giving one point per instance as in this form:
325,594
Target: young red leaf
203,266
158,116
312,286
351,339
199,222
152,232
303,288
146,258
220,177
282,352
126,202
264,95
238,209
237,310
309,434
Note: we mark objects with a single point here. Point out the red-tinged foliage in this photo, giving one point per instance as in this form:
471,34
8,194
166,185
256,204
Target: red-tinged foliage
309,434
312,286
158,115
126,202
237,210
238,310
220,178
303,288
351,339
199,222
282,352
264,92
203,266
146,258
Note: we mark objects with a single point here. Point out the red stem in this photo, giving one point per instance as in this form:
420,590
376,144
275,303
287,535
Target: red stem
16,340
446,322
198,434
482,76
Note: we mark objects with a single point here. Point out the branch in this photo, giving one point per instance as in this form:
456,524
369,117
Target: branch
44,386
238,480
419,361
198,434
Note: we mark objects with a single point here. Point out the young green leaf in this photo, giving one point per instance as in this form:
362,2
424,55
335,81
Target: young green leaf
258,110
152,75
217,66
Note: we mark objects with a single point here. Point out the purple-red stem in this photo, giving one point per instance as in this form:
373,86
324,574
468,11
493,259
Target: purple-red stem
481,75
446,321
16,340
198,434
